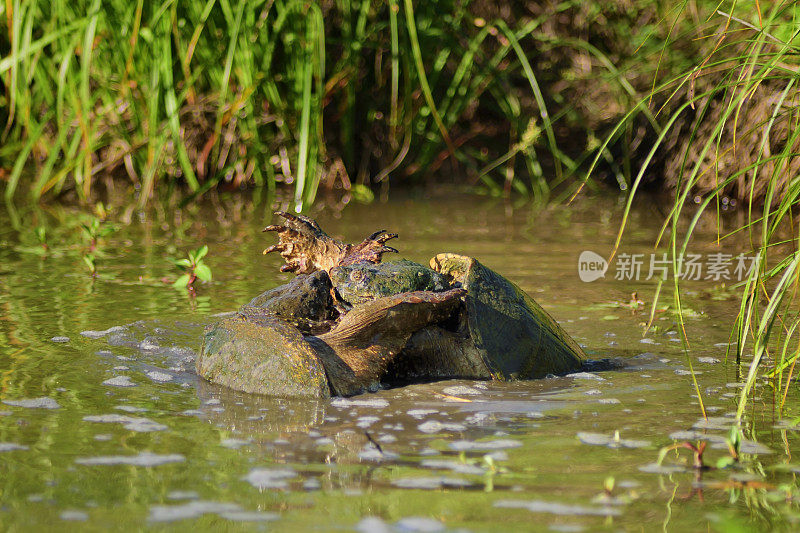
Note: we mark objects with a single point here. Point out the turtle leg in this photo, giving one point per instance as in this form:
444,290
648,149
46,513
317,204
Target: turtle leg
357,352
306,248
370,250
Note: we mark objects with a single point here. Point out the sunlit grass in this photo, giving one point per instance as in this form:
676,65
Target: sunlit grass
752,91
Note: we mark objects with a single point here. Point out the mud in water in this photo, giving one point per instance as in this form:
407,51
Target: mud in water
104,425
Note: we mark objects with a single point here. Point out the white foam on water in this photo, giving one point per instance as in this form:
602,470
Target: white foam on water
142,459
266,478
120,381
44,402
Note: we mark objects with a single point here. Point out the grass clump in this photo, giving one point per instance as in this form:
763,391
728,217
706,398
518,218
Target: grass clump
352,94
733,122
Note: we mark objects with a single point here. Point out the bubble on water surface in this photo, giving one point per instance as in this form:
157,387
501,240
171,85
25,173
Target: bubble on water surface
182,495
745,446
123,338
485,446
133,423
142,459
461,390
120,381
130,408
585,375
374,454
43,402
161,377
92,334
455,466
149,344
74,516
249,516
419,524
611,441
538,506
683,435
430,483
169,513
655,468
434,426
567,528
715,422
343,403
266,478
366,421
233,444
708,360
11,446
421,413
372,524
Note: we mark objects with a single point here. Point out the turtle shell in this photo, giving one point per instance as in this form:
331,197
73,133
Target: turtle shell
515,336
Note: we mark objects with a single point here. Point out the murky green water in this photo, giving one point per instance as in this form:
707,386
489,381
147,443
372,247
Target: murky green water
111,429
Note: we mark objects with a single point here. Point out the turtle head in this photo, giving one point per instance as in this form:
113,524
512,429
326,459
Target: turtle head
356,283
453,266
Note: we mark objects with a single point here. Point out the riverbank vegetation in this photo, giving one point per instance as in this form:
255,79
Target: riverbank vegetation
354,95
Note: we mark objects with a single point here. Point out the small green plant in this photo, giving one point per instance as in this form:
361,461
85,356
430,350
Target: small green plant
193,267
608,485
41,236
95,230
91,262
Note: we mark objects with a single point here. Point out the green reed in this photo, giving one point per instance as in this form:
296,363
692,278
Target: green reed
744,140
228,93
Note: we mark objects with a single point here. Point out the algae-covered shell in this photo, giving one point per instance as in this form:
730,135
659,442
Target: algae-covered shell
268,356
515,336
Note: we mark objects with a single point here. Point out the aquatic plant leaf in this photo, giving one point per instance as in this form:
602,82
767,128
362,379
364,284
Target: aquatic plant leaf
200,253
203,272
182,281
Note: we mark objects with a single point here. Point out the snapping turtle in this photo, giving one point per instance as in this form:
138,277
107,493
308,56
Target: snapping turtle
349,323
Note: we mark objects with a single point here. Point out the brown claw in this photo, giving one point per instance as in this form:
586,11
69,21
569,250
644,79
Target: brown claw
381,236
306,248
388,236
274,247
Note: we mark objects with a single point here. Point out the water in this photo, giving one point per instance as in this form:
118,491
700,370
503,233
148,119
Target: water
104,425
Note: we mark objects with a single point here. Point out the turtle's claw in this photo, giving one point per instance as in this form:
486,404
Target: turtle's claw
306,248
290,267
275,247
381,236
